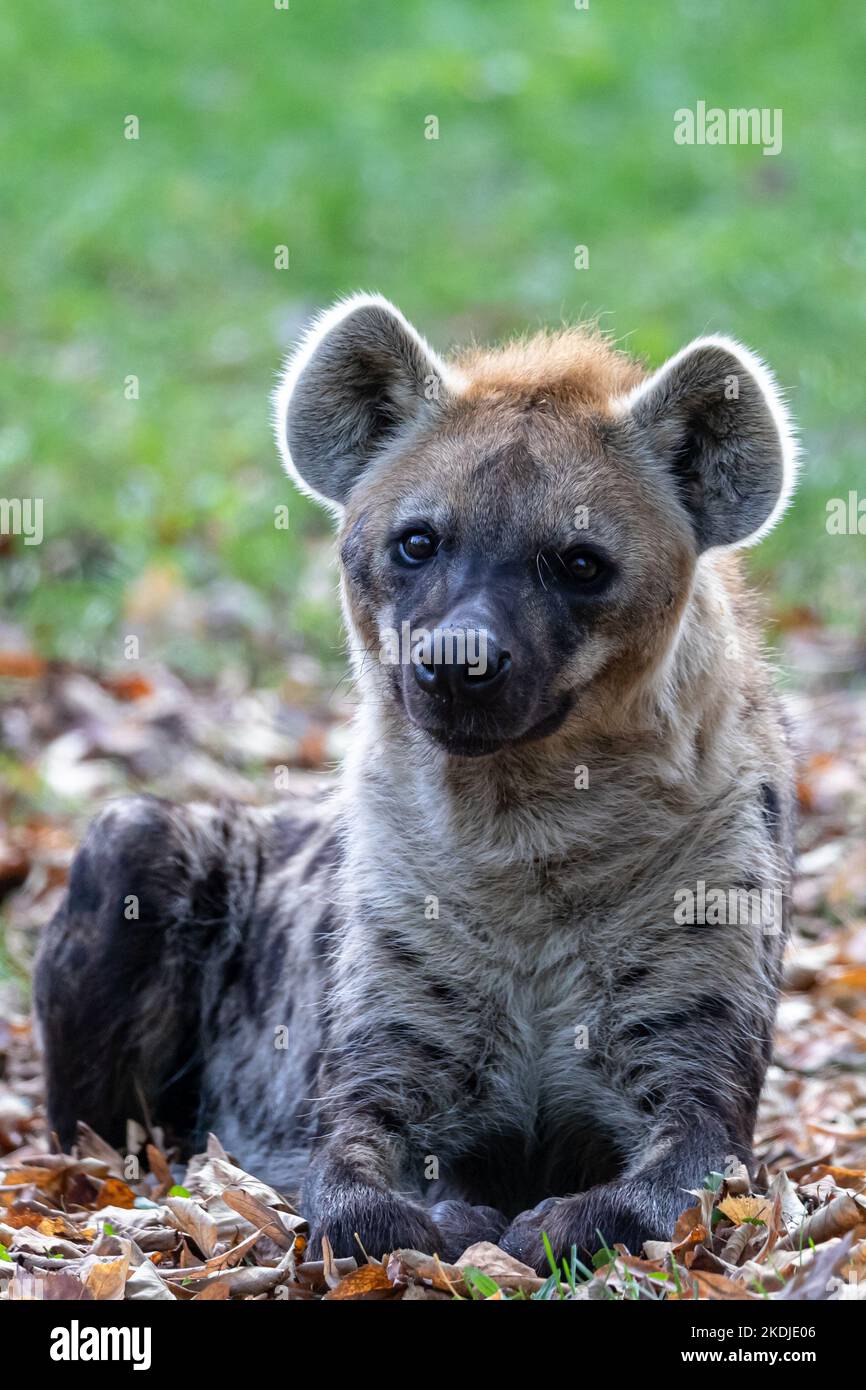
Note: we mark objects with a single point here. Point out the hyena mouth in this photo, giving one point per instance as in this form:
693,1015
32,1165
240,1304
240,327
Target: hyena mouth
478,742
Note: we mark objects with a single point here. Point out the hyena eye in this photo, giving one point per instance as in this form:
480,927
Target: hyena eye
416,546
585,567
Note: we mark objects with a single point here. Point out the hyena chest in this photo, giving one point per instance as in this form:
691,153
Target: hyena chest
530,1108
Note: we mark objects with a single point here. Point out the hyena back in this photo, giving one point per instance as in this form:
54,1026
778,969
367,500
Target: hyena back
461,990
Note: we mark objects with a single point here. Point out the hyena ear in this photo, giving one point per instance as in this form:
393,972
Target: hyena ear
714,418
361,376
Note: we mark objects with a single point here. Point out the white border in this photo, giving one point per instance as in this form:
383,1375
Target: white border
775,402
296,362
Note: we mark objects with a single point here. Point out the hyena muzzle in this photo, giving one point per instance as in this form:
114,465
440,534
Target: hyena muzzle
518,971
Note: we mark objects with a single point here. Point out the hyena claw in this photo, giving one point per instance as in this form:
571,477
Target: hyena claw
366,1222
461,1225
606,1216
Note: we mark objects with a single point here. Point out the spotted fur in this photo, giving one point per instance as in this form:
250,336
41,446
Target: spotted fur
491,1013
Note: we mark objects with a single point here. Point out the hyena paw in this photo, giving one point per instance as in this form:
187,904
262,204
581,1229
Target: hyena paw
381,1221
602,1217
461,1225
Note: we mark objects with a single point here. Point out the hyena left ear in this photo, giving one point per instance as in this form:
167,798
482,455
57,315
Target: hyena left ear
361,376
714,419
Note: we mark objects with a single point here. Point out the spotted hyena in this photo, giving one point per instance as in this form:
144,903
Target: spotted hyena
465,994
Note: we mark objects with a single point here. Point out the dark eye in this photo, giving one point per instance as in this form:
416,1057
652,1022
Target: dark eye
583,566
416,547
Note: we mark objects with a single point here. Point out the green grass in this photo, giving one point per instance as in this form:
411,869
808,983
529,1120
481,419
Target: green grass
262,127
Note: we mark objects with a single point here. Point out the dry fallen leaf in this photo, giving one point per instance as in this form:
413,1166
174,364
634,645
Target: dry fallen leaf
105,1279
193,1220
840,1215
508,1272
740,1209
368,1282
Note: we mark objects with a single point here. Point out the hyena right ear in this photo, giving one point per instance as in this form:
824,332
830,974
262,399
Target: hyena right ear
715,421
361,376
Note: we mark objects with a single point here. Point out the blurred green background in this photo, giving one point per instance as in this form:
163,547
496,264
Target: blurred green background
262,127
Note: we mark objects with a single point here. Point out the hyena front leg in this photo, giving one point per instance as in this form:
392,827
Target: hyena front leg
696,1074
642,1205
393,1086
350,1197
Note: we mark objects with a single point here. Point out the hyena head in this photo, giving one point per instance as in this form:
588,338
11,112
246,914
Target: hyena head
520,529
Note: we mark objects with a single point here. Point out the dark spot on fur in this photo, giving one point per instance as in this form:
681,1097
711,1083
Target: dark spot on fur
706,1009
209,904
85,884
323,935
771,809
411,960
287,836
354,556
77,957
325,857
650,1101
272,961
397,947
632,977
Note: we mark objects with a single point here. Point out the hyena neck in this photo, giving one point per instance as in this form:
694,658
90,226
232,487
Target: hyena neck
672,731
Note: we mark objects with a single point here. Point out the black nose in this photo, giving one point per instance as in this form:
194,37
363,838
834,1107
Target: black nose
466,665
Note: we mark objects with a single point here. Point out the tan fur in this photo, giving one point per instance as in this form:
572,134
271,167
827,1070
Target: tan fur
575,366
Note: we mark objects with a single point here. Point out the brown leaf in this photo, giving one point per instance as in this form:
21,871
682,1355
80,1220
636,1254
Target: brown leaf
368,1282
811,1282
420,1293
193,1220
127,687
144,1285
282,1227
33,1215
25,1177
715,1287
210,1178
218,1289
252,1280
160,1169
737,1180
405,1265
26,1285
834,1219
845,1177
740,1209
89,1144
312,1272
686,1222
105,1279
114,1192
508,1272
791,1209
21,666
739,1241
